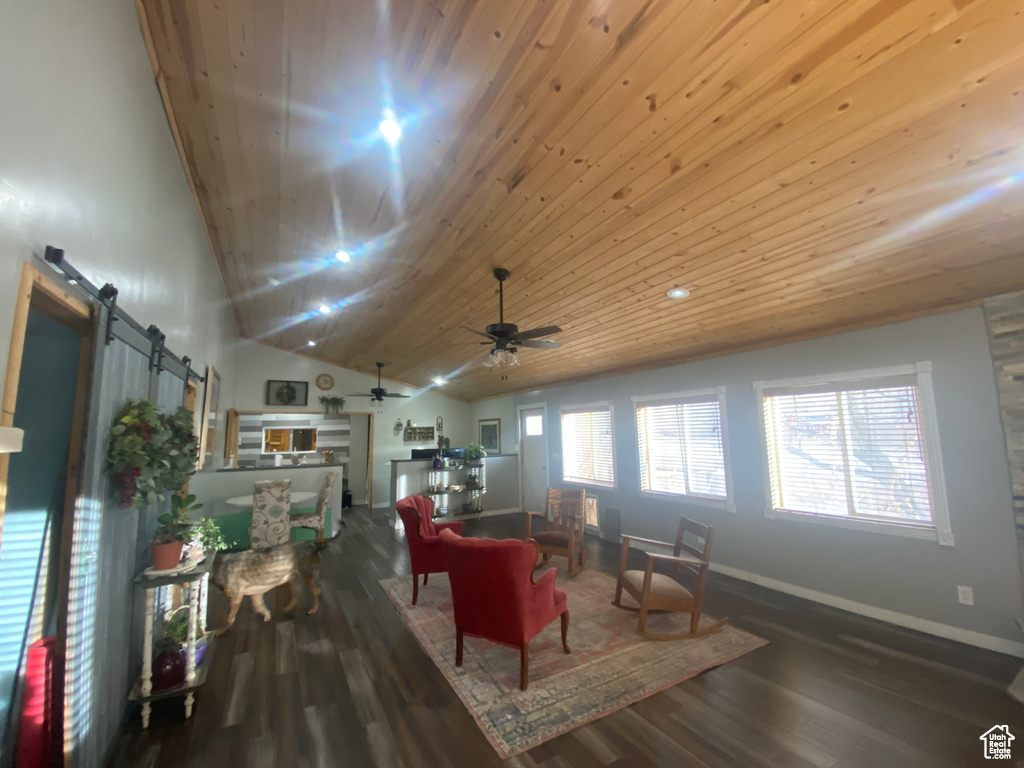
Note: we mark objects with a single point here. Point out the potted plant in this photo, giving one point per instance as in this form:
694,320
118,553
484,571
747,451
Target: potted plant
169,539
176,632
474,453
332,404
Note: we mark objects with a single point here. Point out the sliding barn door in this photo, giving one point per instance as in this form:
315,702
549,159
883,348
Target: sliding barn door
103,632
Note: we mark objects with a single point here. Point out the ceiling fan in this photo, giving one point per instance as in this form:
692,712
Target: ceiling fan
378,393
506,337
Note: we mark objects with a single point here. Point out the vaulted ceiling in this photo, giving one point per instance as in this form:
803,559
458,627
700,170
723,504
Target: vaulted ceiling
801,166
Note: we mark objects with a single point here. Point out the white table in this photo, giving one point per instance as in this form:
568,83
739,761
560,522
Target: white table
246,501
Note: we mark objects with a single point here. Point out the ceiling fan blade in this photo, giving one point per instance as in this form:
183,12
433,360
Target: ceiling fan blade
393,394
539,344
478,333
547,330
359,394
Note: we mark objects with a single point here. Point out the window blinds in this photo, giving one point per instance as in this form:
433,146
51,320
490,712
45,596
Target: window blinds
852,450
681,447
587,455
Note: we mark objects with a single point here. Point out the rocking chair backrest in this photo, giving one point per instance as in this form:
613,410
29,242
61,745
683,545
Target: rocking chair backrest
564,506
697,544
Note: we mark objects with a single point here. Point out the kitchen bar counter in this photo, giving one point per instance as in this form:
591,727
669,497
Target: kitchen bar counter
270,467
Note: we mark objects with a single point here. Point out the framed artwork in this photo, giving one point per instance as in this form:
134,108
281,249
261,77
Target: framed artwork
208,429
280,392
490,435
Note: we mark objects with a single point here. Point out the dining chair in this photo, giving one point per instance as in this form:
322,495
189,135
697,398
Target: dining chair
315,520
495,597
271,504
563,527
653,591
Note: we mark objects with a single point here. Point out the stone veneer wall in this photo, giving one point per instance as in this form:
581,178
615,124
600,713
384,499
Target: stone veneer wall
1004,316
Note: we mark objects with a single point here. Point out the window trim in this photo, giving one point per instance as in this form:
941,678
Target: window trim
714,502
587,408
940,529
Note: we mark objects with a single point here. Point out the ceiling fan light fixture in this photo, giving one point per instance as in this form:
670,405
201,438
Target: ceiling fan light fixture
677,293
503,359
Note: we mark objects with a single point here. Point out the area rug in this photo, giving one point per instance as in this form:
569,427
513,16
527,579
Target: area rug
609,668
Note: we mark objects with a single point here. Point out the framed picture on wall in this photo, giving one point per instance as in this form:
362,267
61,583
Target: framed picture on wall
208,429
281,392
490,435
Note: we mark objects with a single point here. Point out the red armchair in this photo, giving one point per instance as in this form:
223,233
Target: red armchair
421,532
495,596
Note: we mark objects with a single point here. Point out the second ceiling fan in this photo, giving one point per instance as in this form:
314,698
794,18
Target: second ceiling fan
506,337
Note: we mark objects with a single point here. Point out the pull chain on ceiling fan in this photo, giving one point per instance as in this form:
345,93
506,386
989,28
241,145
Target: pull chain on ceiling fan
506,337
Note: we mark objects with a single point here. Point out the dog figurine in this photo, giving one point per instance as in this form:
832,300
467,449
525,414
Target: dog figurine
255,572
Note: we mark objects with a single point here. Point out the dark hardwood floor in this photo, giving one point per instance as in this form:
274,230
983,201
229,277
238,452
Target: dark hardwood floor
351,687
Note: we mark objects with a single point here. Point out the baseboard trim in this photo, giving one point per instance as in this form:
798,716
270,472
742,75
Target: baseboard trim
946,631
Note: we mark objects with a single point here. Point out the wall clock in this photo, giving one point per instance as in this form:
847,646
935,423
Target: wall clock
325,381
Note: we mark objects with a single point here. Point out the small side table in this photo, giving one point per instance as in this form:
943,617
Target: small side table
195,583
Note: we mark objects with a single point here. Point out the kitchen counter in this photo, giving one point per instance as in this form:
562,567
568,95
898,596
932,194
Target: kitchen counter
310,465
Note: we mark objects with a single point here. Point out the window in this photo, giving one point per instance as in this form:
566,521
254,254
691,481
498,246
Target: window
682,445
534,425
587,453
860,448
289,440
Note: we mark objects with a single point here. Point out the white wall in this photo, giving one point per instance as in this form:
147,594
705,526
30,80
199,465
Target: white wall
357,438
256,363
88,164
911,577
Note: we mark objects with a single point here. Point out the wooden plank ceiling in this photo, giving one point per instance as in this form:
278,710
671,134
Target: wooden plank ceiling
801,166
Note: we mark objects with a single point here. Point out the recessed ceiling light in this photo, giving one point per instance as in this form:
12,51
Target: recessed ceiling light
310,343
438,380
677,293
343,257
324,309
390,129
273,281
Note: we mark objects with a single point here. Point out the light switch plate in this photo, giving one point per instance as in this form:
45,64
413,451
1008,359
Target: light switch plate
965,595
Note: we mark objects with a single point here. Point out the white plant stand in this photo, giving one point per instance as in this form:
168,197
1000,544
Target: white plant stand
195,594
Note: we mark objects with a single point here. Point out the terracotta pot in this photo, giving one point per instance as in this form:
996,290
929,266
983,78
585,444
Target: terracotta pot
165,556
168,669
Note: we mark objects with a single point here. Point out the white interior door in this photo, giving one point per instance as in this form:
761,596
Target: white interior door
533,456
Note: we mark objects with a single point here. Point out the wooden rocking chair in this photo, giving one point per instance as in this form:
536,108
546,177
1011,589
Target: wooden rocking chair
563,531
658,592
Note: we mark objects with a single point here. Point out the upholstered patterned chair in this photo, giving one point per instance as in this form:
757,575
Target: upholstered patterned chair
421,534
271,503
495,596
315,520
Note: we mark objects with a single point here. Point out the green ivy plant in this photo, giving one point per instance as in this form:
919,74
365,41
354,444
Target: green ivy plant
332,404
150,453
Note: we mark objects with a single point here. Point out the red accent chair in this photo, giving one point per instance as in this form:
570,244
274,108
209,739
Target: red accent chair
421,533
495,596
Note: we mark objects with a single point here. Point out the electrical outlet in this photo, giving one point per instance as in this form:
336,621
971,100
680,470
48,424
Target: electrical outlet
965,595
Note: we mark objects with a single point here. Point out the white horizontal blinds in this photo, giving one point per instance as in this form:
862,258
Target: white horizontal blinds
853,450
681,447
587,446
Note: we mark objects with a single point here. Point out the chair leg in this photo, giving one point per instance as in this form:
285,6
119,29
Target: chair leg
642,626
694,620
565,631
618,593
425,579
524,666
458,646
415,588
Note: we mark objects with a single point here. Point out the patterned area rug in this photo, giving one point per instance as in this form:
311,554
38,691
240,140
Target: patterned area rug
609,668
